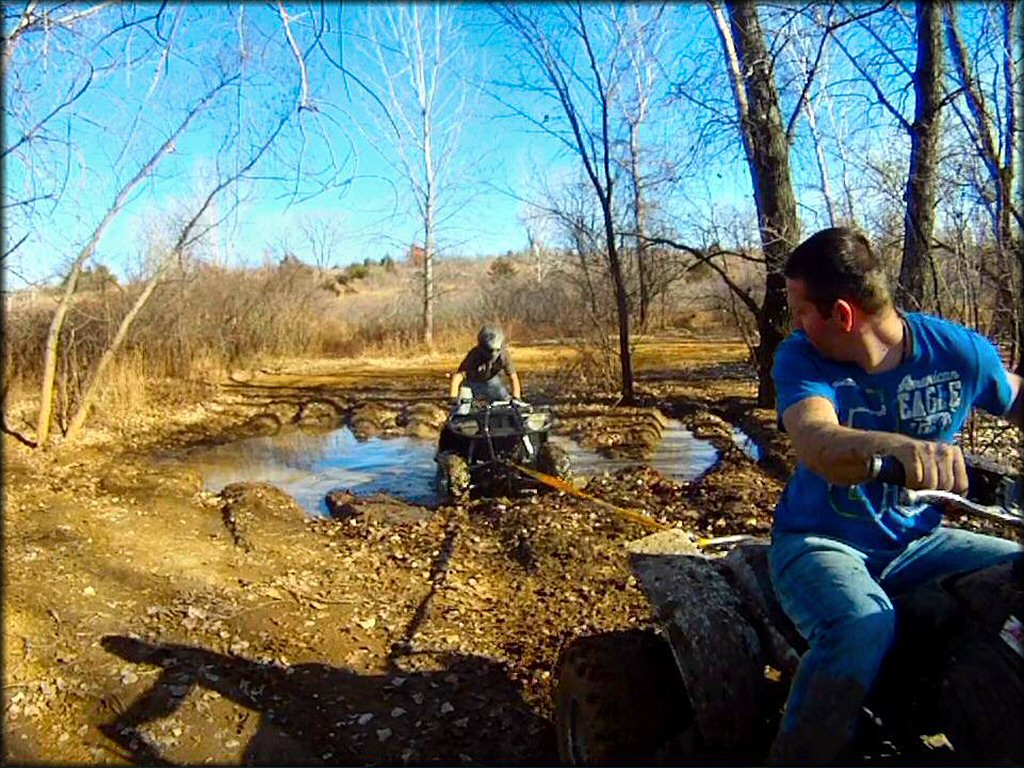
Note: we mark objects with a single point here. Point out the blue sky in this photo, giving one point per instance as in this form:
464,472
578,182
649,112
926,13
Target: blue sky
500,158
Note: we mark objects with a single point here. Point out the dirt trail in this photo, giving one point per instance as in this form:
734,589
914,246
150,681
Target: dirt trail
147,620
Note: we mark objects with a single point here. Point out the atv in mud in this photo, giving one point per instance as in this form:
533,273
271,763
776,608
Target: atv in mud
481,444
708,686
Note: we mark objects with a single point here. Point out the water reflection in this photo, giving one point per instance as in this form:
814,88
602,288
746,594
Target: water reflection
746,443
308,465
679,456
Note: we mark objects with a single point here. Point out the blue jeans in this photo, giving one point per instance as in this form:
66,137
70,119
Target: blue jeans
838,598
490,390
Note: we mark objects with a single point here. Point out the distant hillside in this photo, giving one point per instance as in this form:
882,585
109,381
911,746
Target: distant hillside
204,316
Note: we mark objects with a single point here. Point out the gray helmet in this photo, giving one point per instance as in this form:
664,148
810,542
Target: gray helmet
491,338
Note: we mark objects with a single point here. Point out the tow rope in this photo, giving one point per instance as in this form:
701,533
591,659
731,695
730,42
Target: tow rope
631,515
626,514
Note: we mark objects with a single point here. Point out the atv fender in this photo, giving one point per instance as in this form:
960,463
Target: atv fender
717,651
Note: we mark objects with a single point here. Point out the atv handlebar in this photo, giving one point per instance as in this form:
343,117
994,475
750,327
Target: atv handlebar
986,483
513,402
965,505
888,469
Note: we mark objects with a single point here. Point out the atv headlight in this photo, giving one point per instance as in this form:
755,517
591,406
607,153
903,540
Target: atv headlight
467,427
537,421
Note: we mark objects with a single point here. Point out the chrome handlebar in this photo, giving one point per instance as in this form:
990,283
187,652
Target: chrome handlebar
990,512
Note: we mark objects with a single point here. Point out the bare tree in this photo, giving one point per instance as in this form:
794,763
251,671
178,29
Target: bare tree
192,230
538,239
924,157
418,51
888,69
767,150
71,280
991,122
585,96
322,234
641,38
808,62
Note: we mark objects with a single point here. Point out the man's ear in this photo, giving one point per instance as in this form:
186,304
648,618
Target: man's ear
845,314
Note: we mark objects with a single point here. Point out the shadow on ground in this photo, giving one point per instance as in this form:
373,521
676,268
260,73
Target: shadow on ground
319,714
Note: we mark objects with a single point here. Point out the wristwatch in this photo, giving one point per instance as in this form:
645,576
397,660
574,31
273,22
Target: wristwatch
874,466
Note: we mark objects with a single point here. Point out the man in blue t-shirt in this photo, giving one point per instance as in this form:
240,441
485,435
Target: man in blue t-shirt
858,380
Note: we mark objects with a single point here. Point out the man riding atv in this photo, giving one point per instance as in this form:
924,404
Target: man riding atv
489,439
856,381
482,367
872,399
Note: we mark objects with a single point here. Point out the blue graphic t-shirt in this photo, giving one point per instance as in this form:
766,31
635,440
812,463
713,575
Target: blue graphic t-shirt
928,396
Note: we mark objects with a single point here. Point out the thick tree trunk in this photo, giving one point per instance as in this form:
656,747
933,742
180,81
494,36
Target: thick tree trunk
621,304
768,157
922,178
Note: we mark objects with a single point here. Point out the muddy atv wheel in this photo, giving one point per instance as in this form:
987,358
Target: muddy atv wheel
620,700
453,476
554,460
982,695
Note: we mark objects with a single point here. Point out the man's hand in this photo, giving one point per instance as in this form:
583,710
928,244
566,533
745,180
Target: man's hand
932,466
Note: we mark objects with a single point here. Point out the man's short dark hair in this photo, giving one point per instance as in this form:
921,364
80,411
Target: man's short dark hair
839,263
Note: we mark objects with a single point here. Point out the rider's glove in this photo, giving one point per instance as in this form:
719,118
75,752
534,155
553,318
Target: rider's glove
518,403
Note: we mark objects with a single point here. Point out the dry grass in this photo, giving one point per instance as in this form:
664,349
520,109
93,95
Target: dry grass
203,324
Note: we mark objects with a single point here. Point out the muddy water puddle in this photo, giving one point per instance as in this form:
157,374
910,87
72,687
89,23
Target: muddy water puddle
679,456
747,444
307,465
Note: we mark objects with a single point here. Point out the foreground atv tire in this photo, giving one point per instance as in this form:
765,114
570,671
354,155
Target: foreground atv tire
982,696
620,700
554,460
453,476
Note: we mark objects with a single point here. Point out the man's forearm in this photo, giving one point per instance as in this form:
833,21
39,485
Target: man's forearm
457,379
842,455
1016,413
517,388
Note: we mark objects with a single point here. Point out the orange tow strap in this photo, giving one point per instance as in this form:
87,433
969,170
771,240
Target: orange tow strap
626,514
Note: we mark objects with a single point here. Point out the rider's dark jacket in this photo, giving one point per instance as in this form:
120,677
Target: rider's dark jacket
480,367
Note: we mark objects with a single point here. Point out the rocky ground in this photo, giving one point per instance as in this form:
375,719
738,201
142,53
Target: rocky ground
149,620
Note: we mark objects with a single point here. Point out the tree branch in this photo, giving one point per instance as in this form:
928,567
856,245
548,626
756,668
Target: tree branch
879,94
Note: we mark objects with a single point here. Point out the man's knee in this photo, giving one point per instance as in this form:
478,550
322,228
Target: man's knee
861,638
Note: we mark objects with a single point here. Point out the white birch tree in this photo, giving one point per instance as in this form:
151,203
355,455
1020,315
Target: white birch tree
419,55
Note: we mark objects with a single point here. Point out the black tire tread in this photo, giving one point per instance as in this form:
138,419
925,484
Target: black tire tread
619,699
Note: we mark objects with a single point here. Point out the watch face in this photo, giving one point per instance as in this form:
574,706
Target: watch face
874,466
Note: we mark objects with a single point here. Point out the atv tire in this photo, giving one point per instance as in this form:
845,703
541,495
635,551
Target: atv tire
620,700
453,476
554,460
982,696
